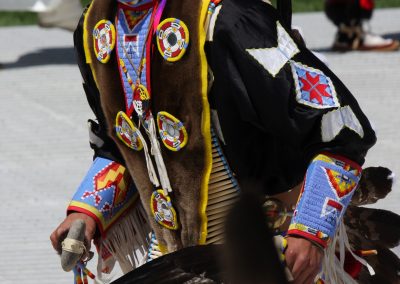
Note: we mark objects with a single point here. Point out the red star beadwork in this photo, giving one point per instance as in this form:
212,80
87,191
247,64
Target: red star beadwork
316,89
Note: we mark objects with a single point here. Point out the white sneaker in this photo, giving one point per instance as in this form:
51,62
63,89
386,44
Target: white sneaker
378,43
355,38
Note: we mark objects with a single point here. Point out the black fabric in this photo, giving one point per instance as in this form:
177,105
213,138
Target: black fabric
285,11
108,150
348,12
270,138
199,264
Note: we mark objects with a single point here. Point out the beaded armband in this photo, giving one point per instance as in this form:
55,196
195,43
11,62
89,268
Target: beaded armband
327,191
105,194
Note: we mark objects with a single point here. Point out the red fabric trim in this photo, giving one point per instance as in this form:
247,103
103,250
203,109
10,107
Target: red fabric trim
335,204
343,159
148,43
103,231
308,236
352,266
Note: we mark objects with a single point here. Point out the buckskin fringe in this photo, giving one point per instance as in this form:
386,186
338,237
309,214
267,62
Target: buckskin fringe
128,241
333,267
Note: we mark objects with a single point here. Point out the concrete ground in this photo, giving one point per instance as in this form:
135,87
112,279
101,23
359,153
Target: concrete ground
44,148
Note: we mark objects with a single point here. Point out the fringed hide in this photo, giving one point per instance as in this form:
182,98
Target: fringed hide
180,89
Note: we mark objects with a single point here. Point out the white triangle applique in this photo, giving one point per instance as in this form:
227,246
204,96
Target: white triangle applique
333,122
274,58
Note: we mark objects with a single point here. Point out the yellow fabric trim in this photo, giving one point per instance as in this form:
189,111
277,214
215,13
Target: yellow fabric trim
206,124
324,158
86,43
163,249
112,30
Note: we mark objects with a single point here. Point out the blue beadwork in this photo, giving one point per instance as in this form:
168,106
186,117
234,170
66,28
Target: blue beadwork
322,205
101,199
140,31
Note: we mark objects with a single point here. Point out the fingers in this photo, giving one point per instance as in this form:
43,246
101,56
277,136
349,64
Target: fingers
303,259
62,230
301,269
58,235
54,239
89,234
307,276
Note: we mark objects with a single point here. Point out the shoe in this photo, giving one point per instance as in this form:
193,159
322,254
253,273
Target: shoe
373,42
350,38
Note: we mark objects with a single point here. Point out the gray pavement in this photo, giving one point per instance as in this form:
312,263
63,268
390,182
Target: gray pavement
44,148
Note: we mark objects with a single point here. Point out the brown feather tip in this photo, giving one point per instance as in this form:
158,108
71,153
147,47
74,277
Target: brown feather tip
369,227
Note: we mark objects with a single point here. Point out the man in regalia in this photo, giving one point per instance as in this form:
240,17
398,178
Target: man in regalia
215,96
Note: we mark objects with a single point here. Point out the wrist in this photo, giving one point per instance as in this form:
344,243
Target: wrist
308,238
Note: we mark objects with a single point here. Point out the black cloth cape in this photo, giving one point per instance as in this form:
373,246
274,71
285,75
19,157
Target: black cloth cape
270,138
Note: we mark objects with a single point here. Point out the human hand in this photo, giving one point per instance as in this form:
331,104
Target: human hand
304,259
61,231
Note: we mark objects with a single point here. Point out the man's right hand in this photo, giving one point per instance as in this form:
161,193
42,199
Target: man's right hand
62,230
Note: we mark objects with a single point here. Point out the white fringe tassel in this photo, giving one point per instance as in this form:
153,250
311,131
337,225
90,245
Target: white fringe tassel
156,152
149,162
128,240
332,267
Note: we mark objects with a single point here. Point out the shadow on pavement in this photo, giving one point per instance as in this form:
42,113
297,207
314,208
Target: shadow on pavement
48,56
392,35
395,36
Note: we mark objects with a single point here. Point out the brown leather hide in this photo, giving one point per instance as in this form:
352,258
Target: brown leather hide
176,88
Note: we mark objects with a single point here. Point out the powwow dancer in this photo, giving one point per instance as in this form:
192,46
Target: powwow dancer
348,16
194,99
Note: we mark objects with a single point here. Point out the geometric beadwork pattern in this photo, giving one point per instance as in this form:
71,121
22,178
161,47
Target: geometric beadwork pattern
105,193
113,178
313,87
340,183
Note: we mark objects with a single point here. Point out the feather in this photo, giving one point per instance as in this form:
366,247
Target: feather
386,265
377,229
375,184
368,227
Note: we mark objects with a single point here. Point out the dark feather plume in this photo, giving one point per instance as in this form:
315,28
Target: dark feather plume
375,184
368,228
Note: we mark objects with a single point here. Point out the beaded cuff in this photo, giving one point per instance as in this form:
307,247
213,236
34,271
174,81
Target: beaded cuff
105,194
327,191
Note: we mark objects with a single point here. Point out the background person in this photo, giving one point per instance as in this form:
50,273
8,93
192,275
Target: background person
348,16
